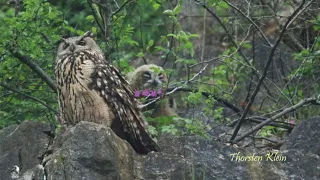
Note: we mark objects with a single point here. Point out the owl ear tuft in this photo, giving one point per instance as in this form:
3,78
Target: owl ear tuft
88,34
63,40
60,41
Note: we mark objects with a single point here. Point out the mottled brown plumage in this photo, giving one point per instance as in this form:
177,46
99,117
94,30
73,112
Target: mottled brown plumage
90,89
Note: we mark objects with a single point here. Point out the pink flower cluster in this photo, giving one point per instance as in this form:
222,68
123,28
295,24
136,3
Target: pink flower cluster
147,93
292,122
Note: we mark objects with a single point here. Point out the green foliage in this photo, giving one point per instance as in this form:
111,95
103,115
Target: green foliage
307,74
309,58
178,126
135,32
195,98
31,32
268,131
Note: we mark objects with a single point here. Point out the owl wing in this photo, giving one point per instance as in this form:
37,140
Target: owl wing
128,123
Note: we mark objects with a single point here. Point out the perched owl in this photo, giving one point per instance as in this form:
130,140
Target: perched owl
153,77
90,89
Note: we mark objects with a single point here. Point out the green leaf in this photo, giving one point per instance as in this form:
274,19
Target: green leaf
94,30
183,34
168,12
194,35
140,54
188,45
223,4
155,6
177,10
90,18
247,45
315,27
159,48
151,42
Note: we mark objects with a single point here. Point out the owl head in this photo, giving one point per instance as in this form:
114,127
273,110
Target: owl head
148,76
77,44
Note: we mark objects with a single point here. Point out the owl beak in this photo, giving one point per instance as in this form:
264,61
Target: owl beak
155,83
72,48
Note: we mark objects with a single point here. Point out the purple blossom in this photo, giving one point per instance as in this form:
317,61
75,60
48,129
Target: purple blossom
137,93
153,93
160,92
145,93
292,122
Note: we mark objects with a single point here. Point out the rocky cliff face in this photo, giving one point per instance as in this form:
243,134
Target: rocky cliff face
29,151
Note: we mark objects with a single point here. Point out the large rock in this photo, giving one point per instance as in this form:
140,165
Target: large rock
192,158
22,148
91,151
305,137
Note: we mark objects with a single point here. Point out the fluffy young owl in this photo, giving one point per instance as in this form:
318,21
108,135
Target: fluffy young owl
90,89
153,77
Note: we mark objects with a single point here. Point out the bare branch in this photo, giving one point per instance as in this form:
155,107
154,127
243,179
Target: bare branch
285,111
248,64
36,68
260,119
265,70
30,97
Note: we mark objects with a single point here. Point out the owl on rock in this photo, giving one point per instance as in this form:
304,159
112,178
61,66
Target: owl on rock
91,89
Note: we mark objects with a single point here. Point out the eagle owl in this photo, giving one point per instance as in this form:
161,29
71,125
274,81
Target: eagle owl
153,77
90,89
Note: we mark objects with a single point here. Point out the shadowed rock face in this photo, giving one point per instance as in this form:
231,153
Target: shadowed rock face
305,137
23,146
91,151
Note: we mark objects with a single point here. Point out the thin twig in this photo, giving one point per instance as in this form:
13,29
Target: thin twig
170,48
96,17
251,21
225,30
123,5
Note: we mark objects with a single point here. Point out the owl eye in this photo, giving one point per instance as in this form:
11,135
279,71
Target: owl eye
81,43
161,76
146,75
65,46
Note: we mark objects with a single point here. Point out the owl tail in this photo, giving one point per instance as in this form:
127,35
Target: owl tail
137,137
143,144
